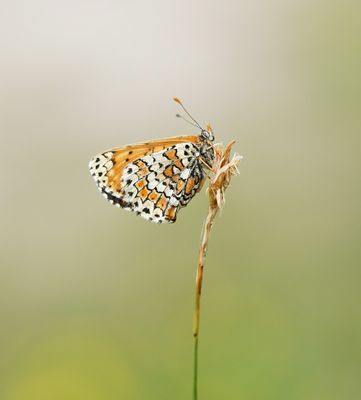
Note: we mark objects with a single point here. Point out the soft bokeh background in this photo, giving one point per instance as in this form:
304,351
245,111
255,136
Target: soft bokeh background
96,303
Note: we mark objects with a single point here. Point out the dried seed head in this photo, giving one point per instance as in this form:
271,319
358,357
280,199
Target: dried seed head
223,170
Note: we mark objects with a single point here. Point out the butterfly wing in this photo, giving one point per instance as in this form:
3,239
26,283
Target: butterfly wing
153,179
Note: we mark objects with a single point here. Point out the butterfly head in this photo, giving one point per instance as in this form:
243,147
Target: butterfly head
207,134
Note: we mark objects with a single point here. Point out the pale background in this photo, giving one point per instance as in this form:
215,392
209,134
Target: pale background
96,303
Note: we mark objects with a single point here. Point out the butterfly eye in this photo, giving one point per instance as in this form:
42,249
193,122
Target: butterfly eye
207,135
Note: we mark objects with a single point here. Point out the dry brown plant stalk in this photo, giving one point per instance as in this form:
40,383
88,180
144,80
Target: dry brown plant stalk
223,170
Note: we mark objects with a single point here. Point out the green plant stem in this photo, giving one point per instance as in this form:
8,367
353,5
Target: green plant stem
195,371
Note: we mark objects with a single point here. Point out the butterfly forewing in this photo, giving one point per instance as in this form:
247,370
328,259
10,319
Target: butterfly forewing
153,179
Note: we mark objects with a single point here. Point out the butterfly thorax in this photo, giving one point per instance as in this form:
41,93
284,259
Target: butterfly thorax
206,151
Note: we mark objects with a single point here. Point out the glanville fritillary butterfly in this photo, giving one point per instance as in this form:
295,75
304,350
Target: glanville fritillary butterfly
157,178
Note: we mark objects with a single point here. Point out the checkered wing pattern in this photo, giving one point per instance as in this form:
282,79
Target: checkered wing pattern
153,179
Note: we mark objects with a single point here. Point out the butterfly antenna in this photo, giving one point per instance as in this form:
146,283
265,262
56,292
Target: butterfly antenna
185,119
189,115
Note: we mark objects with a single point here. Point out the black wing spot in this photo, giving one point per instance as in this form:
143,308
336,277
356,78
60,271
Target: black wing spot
146,210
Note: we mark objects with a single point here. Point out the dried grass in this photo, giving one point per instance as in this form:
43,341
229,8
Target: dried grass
223,170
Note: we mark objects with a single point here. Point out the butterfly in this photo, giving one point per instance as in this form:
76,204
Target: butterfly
155,179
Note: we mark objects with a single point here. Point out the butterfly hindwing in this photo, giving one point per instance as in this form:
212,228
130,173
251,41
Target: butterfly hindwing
152,179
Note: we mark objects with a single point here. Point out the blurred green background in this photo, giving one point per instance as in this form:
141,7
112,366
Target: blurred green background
96,303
